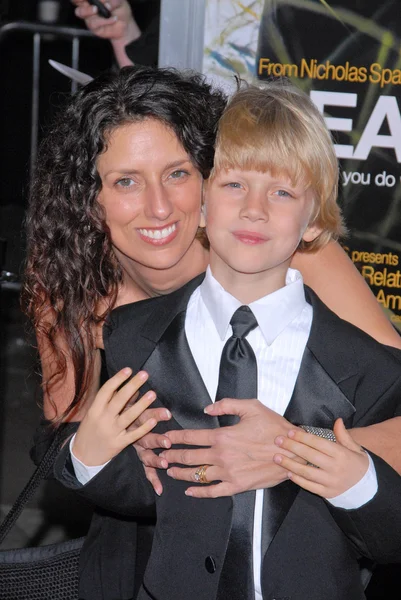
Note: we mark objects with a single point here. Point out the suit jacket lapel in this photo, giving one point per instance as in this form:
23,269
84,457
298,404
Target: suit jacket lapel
317,400
174,375
319,394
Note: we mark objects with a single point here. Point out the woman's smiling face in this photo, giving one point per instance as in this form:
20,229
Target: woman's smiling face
151,194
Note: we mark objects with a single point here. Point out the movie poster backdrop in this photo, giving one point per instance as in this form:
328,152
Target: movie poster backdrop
347,56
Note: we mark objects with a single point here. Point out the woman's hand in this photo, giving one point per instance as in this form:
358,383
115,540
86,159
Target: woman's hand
106,428
340,465
238,457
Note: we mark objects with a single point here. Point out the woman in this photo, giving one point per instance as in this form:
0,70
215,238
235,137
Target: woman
114,216
66,232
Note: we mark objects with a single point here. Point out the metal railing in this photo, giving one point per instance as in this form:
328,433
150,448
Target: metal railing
38,30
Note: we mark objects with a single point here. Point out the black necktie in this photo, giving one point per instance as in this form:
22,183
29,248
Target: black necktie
238,379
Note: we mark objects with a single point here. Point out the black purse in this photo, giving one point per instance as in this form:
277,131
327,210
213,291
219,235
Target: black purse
39,573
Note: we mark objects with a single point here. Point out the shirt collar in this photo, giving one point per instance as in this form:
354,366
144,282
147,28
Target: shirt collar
273,312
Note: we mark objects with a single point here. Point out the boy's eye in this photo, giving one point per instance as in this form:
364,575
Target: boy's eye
125,182
234,184
283,194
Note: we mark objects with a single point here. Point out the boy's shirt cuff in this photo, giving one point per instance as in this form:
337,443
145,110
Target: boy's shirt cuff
82,472
360,493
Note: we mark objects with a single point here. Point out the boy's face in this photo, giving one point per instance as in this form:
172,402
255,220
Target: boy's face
255,222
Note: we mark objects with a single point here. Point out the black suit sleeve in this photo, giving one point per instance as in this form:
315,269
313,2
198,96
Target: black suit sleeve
120,487
396,353
145,50
373,386
44,436
375,528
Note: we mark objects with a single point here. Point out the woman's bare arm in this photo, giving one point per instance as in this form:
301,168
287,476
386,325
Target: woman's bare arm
337,282
60,394
383,439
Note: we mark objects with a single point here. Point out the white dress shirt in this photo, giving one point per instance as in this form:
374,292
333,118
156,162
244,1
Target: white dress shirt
284,321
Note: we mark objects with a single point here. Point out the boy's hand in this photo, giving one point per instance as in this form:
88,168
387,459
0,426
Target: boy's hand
145,446
105,429
340,465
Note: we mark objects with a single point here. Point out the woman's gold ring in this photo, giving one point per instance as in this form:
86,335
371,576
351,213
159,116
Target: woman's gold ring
200,474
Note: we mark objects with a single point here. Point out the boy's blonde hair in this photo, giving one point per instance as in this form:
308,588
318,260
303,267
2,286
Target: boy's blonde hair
277,128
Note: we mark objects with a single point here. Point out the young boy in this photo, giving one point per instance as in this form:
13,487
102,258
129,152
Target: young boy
273,189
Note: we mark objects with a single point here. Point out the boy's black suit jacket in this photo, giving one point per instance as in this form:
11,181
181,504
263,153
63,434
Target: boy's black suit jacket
310,549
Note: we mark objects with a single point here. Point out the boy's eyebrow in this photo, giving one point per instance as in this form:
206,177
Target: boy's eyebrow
276,176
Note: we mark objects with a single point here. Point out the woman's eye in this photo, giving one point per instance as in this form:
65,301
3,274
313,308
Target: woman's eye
178,174
125,182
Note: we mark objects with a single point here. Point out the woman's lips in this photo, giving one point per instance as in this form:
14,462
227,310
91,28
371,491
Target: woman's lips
158,236
250,237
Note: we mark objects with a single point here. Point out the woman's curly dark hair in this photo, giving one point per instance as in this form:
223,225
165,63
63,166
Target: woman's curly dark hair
71,267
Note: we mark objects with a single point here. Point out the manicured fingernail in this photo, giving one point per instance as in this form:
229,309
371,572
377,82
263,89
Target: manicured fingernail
163,464
188,493
278,441
169,473
166,444
158,492
94,9
167,414
107,5
208,408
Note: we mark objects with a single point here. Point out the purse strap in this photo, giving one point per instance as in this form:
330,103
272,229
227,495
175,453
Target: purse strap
38,475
